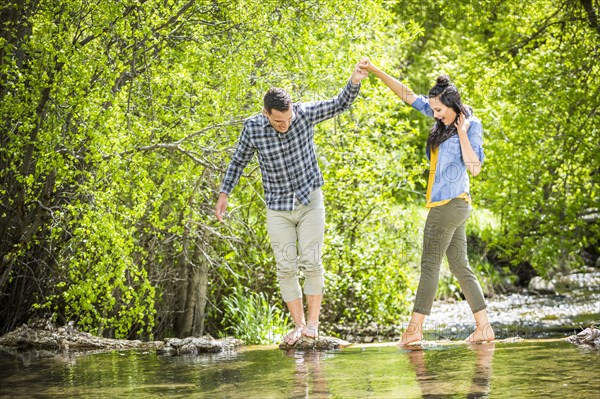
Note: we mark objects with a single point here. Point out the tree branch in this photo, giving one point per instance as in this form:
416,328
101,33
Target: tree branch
591,14
177,146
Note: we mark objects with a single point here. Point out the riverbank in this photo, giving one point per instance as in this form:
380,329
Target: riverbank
572,305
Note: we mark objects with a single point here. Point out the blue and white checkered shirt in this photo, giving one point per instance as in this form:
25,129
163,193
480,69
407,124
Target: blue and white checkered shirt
287,161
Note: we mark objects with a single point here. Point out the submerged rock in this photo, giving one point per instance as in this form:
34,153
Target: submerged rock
197,345
320,343
589,337
510,340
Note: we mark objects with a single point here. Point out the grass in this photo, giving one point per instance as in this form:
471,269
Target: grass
251,317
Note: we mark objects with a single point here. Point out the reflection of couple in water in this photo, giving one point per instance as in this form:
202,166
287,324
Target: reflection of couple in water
311,379
310,376
434,387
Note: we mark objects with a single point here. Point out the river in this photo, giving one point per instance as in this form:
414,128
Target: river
545,369
534,368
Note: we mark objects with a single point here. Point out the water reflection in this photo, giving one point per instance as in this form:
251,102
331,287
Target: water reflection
433,387
520,370
480,383
310,379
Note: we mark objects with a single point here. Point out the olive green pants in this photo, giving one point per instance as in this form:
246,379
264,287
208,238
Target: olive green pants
445,234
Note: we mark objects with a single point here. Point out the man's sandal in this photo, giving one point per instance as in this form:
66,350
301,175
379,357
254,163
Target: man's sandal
409,344
311,331
293,336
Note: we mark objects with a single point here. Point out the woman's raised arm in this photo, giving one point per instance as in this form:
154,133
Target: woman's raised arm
395,85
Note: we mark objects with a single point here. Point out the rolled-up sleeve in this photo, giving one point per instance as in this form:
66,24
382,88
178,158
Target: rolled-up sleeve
421,104
475,134
319,111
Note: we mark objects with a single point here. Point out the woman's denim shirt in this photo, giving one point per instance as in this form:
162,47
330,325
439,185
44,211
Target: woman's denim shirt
451,177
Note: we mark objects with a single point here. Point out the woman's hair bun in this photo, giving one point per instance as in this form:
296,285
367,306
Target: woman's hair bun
443,84
443,81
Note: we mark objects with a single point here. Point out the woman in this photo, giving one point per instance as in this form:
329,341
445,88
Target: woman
453,146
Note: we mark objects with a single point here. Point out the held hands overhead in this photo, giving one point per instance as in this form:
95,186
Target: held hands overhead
359,73
362,70
365,63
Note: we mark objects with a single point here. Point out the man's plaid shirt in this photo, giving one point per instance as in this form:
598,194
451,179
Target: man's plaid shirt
287,161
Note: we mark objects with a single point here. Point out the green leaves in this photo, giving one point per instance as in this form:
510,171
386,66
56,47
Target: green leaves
119,118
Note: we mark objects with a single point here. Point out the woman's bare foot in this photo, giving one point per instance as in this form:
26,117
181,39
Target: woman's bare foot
412,336
481,334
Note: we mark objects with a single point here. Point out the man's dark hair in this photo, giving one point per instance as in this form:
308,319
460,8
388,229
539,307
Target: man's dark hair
278,99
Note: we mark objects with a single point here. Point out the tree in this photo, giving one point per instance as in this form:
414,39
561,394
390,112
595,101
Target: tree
530,71
116,117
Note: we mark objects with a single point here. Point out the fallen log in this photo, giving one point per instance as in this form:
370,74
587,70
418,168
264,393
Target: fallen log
68,339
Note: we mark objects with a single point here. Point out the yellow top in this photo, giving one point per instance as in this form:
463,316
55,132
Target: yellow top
432,167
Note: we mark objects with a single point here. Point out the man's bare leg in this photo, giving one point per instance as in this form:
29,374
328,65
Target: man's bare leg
297,313
314,310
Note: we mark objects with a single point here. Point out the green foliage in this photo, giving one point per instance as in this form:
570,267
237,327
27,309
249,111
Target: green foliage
251,317
544,176
118,119
534,84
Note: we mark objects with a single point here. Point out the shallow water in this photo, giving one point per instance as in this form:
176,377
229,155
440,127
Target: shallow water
548,369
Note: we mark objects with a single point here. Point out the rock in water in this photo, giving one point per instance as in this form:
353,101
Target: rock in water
321,343
67,338
541,286
589,337
197,345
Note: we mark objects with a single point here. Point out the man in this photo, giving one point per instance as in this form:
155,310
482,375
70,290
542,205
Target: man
283,137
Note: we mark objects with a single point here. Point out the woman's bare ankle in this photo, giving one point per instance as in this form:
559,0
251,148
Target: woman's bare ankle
412,334
482,333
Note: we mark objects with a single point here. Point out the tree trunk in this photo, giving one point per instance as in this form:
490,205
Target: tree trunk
201,295
192,293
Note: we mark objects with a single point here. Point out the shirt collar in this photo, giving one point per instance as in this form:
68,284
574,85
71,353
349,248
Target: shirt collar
265,120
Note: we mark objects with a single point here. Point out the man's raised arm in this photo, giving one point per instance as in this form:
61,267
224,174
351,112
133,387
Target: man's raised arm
320,111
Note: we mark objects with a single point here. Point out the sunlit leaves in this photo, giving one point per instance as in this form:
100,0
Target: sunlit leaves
119,117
